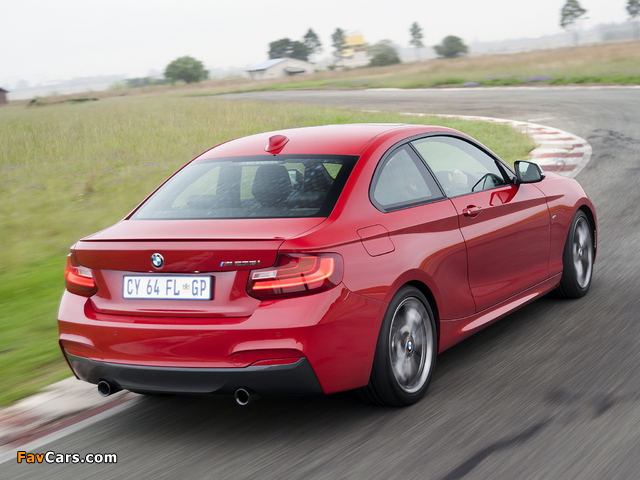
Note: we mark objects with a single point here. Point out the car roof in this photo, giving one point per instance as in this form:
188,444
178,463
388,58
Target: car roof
343,139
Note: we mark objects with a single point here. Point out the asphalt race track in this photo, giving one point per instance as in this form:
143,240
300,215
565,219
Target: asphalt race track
551,392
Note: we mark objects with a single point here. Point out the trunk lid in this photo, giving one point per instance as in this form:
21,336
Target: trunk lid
224,250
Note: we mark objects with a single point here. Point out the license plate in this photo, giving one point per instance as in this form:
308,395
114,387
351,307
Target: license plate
167,287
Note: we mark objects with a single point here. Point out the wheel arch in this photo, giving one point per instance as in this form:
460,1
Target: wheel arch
588,211
426,291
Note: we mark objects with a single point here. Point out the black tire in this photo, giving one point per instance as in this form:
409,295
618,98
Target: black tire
577,259
405,353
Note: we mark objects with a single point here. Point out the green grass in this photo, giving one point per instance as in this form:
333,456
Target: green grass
68,170
595,79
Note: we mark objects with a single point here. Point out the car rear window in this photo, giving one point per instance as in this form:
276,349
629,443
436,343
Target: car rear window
251,187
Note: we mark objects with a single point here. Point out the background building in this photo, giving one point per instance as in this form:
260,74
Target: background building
355,52
279,68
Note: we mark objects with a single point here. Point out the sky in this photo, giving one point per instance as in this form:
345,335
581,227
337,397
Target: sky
48,40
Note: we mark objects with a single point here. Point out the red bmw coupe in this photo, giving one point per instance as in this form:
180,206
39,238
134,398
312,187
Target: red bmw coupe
317,260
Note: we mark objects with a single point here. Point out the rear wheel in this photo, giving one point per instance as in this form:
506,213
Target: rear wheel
406,351
577,259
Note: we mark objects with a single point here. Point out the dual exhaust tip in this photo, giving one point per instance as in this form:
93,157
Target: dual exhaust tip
241,395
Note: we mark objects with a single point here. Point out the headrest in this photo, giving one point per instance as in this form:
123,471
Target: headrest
271,185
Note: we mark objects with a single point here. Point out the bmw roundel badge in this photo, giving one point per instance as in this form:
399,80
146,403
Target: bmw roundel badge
157,260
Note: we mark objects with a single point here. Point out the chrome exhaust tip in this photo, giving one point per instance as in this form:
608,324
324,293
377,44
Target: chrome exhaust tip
242,396
105,388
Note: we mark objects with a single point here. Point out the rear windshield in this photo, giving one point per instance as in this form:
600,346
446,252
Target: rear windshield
251,187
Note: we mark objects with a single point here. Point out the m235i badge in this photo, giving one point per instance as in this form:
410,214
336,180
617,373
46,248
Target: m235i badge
241,263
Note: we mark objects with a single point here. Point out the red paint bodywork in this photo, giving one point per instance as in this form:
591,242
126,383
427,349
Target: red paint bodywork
474,270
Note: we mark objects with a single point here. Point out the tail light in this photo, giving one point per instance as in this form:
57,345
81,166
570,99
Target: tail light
79,279
295,275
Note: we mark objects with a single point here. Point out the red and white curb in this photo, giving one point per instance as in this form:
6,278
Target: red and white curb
556,150
559,151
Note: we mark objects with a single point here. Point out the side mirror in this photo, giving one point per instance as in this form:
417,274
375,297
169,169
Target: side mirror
528,172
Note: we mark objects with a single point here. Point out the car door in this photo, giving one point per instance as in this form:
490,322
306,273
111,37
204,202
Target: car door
422,233
506,227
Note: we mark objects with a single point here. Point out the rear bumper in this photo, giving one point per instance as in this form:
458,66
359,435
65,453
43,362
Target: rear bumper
323,342
293,378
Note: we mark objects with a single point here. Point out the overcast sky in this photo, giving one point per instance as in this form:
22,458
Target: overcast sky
46,40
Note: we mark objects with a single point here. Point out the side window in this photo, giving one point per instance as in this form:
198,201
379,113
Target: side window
402,180
459,166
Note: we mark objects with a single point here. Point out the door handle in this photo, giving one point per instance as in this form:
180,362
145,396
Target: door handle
472,211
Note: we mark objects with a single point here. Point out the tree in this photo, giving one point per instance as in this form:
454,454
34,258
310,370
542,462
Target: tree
312,42
569,15
280,48
187,69
299,50
416,38
338,43
286,48
633,9
383,53
451,47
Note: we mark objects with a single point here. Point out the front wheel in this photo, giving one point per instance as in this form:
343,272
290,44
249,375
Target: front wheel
405,354
577,259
